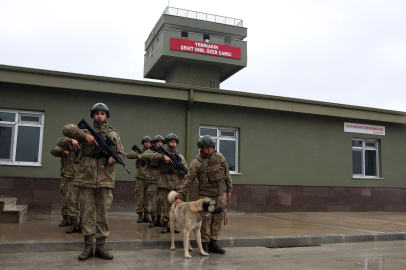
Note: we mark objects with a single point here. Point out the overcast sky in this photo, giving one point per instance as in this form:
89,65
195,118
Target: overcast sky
349,52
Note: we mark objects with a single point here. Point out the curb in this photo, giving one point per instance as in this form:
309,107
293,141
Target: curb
270,242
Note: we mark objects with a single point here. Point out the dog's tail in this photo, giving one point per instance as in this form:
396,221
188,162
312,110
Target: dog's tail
172,196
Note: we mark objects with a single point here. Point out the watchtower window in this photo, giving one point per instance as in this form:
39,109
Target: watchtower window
184,34
212,84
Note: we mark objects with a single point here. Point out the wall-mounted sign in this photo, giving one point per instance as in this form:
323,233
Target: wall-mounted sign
365,129
192,46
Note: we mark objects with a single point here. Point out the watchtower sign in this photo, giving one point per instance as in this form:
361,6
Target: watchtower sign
192,46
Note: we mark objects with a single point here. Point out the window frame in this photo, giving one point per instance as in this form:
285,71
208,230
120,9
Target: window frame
225,138
364,148
15,127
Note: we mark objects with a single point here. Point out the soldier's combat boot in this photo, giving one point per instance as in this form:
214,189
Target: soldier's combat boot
101,250
140,217
205,246
213,247
88,251
165,227
80,226
153,221
147,217
74,226
158,221
64,222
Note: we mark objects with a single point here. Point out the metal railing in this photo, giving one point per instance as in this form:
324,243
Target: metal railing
202,16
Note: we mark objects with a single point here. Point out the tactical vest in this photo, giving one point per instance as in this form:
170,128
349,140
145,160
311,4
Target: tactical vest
213,169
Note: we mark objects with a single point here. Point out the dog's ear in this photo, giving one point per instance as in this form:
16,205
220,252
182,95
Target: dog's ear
206,205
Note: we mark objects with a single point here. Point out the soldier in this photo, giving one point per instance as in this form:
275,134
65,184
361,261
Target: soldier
95,181
152,175
169,179
214,181
70,145
68,169
141,184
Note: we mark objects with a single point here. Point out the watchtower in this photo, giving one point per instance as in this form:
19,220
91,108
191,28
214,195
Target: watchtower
194,48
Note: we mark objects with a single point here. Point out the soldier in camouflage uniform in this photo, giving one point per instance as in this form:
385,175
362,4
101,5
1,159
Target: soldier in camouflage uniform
169,179
152,175
214,181
141,184
95,181
68,170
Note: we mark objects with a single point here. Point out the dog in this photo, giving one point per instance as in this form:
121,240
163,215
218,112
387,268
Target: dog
188,216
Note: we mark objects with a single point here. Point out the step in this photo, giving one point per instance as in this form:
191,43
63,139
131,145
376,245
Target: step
10,212
6,202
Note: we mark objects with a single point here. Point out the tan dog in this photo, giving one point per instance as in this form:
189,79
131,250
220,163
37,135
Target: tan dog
188,216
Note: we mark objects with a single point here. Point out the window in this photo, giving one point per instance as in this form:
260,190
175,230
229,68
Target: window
226,143
184,34
212,84
21,138
365,158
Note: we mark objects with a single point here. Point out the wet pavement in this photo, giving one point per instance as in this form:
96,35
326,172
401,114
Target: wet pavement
123,226
367,256
41,232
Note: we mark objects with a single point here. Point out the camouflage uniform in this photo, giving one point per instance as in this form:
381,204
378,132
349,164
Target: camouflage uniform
95,181
153,174
141,178
68,170
72,191
168,181
214,181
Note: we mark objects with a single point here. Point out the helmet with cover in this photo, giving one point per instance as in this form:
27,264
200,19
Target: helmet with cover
99,107
145,139
206,141
171,136
158,138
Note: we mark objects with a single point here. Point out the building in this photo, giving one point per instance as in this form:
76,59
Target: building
285,154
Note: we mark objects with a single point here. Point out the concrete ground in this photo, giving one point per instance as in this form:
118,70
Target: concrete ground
370,255
41,232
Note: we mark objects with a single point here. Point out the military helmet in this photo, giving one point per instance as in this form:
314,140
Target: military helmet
171,136
99,107
145,139
158,138
206,141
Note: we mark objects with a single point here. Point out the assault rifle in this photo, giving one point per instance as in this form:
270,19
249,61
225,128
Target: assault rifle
175,158
136,149
103,147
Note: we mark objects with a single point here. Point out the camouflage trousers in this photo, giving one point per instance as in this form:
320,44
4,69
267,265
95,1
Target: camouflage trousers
152,198
164,207
73,200
141,193
63,190
96,201
211,225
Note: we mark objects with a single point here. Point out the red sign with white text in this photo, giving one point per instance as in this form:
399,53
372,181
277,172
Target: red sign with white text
185,45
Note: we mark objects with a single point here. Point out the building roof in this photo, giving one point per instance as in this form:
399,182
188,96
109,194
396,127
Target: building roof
67,80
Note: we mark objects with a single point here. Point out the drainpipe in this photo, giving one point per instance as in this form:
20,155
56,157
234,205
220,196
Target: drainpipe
188,123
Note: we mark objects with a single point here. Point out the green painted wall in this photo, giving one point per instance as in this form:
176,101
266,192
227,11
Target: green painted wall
285,148
275,147
133,116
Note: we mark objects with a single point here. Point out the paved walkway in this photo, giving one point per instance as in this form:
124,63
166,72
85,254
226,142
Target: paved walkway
41,232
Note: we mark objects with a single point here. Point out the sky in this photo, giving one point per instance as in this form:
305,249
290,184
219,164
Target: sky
339,51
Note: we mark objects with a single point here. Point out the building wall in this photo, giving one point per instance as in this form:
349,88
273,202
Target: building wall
288,161
133,116
285,148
